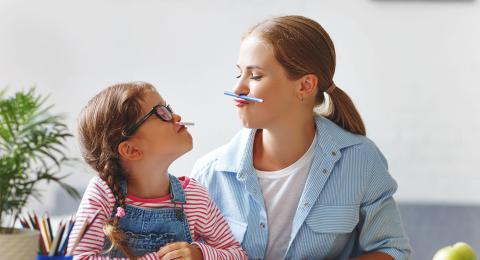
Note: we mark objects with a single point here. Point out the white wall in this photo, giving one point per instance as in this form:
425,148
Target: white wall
411,67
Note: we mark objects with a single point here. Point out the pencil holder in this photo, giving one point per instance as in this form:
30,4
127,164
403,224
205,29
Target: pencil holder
58,257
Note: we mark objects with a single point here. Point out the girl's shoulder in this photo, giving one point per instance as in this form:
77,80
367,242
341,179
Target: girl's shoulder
195,191
99,188
192,185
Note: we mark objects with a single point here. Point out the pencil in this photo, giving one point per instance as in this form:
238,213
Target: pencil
93,219
31,222
43,240
254,99
79,236
23,223
35,218
49,225
63,247
47,237
56,241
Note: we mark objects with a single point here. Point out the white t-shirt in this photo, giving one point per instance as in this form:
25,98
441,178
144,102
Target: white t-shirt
281,191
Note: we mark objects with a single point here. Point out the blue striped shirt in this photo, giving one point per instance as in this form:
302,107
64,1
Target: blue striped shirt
346,208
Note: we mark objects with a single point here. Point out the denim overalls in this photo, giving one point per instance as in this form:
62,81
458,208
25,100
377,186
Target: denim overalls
148,229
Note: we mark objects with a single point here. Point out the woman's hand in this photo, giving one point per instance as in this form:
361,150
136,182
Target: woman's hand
374,256
180,250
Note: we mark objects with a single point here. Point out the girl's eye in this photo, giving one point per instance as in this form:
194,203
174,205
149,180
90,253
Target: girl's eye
256,77
239,76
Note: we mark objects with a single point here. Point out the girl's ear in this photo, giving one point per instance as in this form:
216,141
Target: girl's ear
128,151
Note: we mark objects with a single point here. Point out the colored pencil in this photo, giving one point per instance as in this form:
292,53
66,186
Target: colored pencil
56,241
49,225
81,232
63,247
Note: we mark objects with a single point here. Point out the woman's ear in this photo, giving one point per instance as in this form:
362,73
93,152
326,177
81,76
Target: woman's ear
128,151
308,85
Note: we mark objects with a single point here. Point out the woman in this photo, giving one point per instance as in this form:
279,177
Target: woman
294,184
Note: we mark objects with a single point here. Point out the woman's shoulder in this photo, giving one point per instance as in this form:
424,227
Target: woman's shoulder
208,162
356,145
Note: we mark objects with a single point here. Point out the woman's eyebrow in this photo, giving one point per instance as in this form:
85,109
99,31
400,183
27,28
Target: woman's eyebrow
250,67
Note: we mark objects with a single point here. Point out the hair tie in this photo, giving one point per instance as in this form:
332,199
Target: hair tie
120,212
331,88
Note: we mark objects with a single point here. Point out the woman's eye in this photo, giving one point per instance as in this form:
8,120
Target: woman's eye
239,76
256,77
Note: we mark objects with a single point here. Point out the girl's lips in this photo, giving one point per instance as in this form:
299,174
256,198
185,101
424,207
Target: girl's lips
180,128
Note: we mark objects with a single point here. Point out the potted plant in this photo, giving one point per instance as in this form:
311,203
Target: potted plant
32,149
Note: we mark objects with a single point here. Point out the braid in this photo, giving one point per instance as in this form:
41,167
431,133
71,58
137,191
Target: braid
100,127
111,171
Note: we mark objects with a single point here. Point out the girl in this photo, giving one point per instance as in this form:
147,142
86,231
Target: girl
130,136
294,184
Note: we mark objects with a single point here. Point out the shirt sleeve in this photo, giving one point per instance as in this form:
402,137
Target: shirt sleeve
381,227
217,238
97,199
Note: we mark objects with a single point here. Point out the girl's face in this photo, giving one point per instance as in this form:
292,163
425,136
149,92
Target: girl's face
262,76
158,139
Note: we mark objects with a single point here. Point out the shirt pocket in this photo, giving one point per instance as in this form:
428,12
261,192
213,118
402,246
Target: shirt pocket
237,227
328,230
333,218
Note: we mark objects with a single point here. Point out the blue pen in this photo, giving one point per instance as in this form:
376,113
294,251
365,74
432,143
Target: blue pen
254,99
63,246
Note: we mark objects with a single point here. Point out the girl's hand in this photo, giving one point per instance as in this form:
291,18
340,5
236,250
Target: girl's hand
180,250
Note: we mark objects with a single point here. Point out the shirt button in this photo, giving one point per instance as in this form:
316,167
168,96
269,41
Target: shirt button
324,171
334,153
254,191
262,225
306,204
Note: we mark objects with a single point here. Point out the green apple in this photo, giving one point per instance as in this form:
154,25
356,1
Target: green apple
459,251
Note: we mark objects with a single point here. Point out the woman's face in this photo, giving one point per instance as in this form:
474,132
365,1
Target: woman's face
262,76
159,139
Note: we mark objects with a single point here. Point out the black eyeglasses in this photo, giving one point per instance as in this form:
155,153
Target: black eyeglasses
163,112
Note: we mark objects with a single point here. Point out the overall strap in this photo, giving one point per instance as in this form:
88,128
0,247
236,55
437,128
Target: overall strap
176,190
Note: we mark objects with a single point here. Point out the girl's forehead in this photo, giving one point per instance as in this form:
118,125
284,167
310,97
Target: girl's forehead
152,99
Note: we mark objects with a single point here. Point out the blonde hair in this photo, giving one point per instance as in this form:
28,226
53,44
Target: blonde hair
303,47
100,127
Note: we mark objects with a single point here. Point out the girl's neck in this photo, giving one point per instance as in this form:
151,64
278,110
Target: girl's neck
280,146
148,184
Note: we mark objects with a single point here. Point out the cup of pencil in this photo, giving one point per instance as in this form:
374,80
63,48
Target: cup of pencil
51,245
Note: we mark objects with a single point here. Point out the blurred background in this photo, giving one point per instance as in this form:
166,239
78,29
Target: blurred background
411,67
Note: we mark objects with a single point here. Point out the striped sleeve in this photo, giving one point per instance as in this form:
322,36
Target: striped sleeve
97,198
217,241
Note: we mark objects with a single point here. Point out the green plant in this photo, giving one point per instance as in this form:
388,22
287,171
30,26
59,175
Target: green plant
32,149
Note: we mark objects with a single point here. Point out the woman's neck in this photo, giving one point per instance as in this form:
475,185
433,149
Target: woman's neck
144,183
280,146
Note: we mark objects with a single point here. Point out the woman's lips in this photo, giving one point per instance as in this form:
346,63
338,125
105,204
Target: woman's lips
240,102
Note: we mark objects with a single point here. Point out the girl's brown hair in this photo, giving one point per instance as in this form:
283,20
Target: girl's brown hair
100,127
303,47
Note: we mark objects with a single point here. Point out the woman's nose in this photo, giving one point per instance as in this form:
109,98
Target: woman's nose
241,88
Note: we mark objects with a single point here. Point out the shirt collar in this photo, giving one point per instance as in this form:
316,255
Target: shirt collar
238,154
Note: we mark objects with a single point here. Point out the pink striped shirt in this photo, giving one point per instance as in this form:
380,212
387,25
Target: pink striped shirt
208,228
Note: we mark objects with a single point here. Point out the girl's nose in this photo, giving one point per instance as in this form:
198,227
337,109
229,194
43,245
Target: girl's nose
176,118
